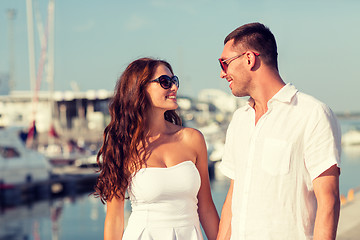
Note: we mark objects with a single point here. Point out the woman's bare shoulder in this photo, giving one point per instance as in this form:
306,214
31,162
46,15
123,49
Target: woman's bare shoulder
192,134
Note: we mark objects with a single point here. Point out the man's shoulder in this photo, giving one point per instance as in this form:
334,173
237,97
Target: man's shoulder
310,102
313,106
299,98
307,98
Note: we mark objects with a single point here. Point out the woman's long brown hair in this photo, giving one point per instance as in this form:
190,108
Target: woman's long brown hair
123,151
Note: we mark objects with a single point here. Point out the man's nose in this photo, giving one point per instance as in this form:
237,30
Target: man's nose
222,74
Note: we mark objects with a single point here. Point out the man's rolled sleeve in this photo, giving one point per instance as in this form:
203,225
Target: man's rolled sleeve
226,169
322,141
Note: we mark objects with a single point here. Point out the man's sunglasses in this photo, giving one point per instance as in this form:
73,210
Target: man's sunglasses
166,82
224,64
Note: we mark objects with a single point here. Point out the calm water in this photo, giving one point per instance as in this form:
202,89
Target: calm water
82,217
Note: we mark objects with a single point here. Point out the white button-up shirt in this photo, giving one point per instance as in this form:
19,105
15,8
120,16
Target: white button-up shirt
274,162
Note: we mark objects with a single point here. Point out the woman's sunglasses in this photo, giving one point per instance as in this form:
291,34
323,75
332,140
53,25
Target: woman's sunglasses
166,82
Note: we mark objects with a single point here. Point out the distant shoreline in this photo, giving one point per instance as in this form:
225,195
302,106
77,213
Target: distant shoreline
348,115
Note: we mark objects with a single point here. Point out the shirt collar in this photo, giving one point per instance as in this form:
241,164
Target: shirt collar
285,95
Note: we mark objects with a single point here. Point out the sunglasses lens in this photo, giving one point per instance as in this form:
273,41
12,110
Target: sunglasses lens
175,80
165,82
222,65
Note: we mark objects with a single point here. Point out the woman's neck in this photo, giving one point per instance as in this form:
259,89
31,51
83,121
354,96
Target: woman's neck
157,124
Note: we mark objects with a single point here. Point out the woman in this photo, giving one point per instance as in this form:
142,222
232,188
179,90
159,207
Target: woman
161,164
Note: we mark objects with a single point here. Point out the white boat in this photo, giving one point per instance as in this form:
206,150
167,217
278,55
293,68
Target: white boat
20,165
86,166
60,155
87,162
351,137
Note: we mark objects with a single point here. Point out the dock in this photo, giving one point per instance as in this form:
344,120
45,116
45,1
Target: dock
349,222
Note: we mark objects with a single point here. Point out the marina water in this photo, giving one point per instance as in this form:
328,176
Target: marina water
82,216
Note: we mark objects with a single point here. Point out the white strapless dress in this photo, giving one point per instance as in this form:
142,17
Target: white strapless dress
164,204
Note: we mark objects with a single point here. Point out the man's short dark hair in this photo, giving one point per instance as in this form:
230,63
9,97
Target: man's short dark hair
258,38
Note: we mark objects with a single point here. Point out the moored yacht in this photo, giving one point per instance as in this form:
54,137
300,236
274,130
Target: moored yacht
20,166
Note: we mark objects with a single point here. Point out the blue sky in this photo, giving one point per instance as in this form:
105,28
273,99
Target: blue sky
318,42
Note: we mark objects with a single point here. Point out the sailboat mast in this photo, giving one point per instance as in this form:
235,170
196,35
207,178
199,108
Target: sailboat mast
32,74
11,16
50,65
31,45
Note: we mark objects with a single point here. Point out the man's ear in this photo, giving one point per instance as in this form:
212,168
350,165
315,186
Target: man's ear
251,59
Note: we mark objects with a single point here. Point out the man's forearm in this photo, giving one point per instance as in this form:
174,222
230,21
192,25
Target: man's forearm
327,221
326,188
225,226
226,215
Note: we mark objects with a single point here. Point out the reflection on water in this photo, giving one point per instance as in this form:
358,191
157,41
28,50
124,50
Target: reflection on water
24,221
78,217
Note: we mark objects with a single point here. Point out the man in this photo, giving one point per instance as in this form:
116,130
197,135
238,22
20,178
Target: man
282,149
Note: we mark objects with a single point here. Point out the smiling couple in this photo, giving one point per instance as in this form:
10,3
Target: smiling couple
282,154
